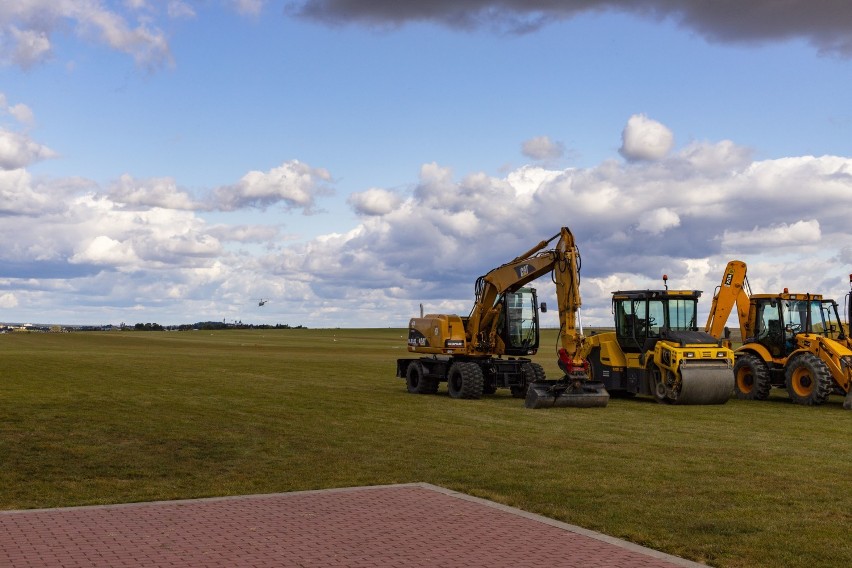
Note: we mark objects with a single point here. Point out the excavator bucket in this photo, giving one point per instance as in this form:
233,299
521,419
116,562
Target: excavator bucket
705,383
565,394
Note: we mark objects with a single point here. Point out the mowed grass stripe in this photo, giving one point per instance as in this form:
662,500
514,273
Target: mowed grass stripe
93,418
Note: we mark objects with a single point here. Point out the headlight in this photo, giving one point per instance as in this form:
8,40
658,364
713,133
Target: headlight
689,354
720,354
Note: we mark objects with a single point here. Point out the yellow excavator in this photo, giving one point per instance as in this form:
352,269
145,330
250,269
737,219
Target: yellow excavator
790,340
489,348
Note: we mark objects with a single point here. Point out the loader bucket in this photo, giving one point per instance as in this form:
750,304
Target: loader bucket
705,384
564,394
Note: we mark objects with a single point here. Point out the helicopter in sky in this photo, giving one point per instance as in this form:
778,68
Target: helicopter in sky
261,301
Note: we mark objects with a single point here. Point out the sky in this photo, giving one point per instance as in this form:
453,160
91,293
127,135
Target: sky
174,161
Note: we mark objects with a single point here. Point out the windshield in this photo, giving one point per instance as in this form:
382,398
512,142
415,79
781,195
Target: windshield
823,317
521,315
682,315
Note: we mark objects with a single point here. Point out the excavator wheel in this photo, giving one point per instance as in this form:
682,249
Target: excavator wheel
417,382
465,380
751,378
808,380
533,372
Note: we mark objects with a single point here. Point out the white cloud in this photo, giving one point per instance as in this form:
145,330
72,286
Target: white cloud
658,220
156,192
105,250
542,148
18,151
799,234
8,300
142,246
26,27
645,139
293,183
374,201
17,195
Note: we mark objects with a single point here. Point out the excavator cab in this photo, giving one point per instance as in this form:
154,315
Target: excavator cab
519,325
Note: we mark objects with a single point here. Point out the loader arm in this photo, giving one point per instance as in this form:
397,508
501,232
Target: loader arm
733,290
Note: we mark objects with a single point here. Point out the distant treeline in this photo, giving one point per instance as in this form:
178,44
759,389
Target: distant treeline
202,325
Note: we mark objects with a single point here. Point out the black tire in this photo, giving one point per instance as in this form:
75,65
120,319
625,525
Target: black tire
532,372
751,378
808,380
417,382
465,380
658,388
539,372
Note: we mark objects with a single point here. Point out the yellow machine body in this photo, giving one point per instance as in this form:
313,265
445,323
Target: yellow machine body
794,341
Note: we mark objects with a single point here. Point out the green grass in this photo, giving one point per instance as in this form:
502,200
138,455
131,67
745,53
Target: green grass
118,417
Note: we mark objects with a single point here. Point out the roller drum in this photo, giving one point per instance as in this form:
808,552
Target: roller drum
705,383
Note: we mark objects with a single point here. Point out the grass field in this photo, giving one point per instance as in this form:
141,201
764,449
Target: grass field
91,418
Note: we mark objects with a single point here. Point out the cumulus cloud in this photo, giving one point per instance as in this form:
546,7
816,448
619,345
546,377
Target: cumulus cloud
293,183
645,139
374,201
658,221
542,148
19,151
140,243
26,27
826,25
105,250
759,239
156,192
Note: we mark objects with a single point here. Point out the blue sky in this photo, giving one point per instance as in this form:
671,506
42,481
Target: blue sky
174,161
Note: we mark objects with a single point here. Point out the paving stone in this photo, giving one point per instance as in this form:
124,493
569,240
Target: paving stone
406,526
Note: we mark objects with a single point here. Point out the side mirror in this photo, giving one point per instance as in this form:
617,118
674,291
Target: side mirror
543,307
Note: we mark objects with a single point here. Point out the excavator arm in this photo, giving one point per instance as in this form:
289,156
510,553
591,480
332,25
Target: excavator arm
734,290
562,260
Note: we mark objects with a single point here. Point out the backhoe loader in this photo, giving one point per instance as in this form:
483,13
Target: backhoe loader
468,352
657,350
790,340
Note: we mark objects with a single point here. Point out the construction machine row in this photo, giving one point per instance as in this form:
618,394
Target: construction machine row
792,341
656,348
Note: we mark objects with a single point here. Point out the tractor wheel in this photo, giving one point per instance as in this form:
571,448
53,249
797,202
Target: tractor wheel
417,381
751,378
465,380
808,380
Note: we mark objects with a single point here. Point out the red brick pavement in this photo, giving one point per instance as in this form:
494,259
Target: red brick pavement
405,526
